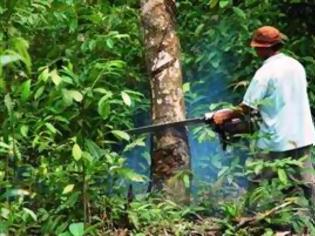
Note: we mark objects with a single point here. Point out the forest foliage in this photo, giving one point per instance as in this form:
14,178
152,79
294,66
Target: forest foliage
73,77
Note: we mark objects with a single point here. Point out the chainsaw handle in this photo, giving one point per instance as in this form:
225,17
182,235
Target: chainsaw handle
232,127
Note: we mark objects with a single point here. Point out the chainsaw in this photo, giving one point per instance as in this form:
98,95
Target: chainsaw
228,131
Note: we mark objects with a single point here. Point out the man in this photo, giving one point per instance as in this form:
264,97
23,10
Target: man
278,91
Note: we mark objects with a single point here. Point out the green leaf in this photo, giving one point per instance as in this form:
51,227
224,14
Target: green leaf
224,3
76,152
216,161
186,180
44,75
102,91
282,176
69,2
258,168
135,220
24,130
67,233
68,189
135,143
239,12
25,90
39,92
110,43
5,213
223,171
77,229
67,99
67,79
51,128
269,232
93,148
17,192
56,79
7,59
76,95
104,107
8,103
31,213
213,3
186,87
130,175
20,45
199,29
126,98
121,135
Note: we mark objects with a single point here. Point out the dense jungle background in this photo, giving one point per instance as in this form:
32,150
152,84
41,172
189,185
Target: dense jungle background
73,78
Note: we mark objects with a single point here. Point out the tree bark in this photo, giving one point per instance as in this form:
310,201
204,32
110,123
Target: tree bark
170,151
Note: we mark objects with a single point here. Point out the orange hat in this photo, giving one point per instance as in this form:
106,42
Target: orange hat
267,36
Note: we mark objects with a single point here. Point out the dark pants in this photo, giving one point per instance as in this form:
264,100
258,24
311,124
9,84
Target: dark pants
304,175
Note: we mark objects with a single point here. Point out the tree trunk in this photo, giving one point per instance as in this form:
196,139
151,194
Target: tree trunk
170,151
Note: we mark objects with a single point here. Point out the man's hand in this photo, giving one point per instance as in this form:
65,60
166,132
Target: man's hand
222,116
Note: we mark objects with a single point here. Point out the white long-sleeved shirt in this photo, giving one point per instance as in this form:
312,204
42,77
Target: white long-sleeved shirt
279,91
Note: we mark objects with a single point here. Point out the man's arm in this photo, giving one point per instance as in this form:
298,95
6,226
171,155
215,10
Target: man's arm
224,115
